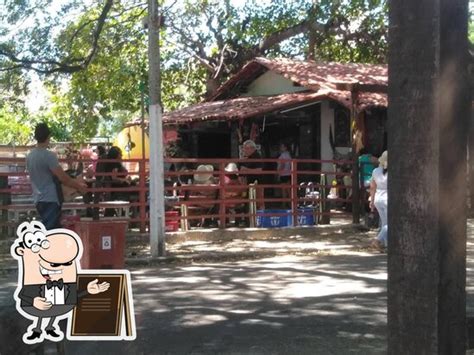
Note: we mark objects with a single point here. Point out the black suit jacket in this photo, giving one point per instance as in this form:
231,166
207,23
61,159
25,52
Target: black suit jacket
29,292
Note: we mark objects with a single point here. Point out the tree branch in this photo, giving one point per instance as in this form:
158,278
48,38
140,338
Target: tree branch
46,66
280,36
192,43
221,63
203,61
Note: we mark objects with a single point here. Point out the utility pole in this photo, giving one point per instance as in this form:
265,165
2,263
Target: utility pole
157,203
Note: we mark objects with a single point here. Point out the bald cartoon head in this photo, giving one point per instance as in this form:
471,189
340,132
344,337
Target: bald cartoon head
47,255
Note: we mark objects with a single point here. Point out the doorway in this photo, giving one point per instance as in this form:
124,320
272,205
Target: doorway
213,145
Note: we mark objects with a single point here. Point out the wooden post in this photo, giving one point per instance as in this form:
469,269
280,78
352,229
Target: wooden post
355,163
294,191
356,203
252,205
222,205
142,194
428,124
184,218
325,205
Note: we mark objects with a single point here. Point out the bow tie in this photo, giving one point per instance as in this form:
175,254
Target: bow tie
58,284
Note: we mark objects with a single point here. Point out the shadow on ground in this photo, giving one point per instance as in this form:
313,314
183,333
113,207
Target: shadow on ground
286,304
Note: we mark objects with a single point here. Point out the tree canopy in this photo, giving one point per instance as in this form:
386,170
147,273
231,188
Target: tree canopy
92,56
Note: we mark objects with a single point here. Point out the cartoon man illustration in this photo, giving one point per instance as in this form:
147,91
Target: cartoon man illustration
47,278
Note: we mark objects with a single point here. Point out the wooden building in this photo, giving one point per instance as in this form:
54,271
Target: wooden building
298,102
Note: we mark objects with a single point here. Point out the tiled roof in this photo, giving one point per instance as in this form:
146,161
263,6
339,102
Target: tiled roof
313,75
244,107
321,78
239,108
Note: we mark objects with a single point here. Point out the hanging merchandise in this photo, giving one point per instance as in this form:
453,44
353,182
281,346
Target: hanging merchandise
254,132
333,190
239,134
263,125
130,144
130,141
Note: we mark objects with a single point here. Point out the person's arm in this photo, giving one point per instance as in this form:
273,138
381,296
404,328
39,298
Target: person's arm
248,171
373,188
69,181
118,178
25,297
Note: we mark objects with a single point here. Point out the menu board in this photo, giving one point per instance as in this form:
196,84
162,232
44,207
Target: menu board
107,314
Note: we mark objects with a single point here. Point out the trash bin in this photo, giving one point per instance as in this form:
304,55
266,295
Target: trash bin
69,221
103,242
171,224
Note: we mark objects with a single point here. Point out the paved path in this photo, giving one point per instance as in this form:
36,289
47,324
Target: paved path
315,301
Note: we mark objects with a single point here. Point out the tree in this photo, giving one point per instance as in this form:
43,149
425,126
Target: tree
428,122
329,30
101,51
13,126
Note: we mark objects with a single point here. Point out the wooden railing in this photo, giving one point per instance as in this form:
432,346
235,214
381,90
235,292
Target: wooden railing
319,195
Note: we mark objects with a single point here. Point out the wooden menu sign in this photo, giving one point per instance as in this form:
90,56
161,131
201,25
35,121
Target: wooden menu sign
104,316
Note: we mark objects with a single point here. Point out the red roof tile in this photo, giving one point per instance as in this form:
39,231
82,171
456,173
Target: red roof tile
239,108
244,107
313,75
322,78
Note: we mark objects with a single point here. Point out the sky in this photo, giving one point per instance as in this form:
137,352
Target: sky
38,96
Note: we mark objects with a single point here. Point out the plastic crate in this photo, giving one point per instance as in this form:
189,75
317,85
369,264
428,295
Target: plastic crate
305,216
271,220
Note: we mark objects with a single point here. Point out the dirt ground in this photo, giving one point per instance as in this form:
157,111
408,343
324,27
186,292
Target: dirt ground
315,292
202,246
307,291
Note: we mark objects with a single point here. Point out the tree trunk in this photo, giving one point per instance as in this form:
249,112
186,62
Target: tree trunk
311,46
211,86
428,125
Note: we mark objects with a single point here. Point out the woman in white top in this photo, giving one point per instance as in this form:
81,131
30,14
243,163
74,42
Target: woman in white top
378,199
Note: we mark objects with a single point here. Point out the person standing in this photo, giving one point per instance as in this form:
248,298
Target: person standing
284,171
367,164
46,176
234,189
249,168
378,199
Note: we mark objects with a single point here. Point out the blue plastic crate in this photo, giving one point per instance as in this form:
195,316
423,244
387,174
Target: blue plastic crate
274,221
305,216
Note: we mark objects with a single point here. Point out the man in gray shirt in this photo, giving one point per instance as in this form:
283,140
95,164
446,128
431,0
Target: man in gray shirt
46,176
